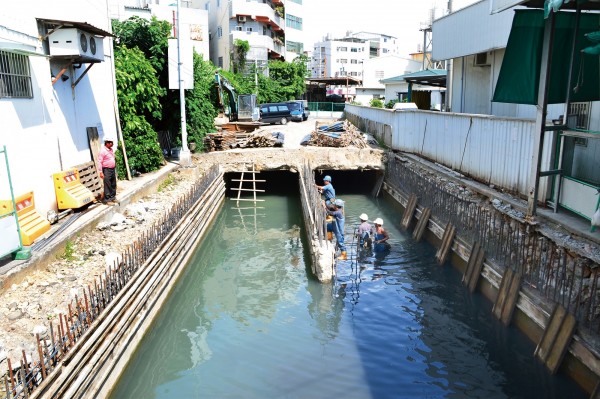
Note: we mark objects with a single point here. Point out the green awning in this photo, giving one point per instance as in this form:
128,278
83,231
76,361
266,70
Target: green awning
520,72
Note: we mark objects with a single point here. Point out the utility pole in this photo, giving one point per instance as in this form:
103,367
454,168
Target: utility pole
185,157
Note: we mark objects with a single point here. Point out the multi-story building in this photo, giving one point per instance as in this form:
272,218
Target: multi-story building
264,24
379,45
339,57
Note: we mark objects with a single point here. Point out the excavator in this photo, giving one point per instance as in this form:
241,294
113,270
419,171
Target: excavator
242,108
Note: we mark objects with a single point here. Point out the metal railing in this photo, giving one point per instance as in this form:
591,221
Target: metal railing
548,268
21,379
326,107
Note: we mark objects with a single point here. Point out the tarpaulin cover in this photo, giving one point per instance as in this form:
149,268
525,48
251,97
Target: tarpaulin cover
519,76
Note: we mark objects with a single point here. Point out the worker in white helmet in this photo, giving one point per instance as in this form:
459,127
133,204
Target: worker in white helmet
107,170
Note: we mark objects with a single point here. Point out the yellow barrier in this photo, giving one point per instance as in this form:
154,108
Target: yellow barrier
31,223
70,193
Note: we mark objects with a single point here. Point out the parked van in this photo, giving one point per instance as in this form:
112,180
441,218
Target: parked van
275,113
299,109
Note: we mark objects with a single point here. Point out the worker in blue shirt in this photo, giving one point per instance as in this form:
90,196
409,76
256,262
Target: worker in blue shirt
327,189
335,209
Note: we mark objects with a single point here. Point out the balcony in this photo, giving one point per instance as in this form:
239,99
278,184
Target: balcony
258,11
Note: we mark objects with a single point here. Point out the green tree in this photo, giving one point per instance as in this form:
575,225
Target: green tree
376,103
201,110
138,94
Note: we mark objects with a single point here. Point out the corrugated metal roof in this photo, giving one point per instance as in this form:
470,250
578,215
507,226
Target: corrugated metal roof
431,77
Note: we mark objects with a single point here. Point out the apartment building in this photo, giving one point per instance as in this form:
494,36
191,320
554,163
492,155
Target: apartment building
264,24
339,57
379,45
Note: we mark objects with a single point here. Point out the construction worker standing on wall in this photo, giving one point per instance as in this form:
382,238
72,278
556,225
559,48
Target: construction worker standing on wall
107,169
327,189
336,210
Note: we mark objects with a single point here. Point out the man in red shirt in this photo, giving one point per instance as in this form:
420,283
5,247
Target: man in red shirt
106,166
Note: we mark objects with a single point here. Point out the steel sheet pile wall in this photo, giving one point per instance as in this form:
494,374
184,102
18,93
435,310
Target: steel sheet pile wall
549,270
489,149
74,345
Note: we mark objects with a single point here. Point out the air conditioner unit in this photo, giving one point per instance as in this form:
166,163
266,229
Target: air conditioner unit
241,18
481,59
72,42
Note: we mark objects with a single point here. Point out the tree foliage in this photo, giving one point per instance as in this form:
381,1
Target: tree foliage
376,103
201,102
138,94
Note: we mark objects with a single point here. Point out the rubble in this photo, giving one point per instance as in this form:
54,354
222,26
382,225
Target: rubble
338,134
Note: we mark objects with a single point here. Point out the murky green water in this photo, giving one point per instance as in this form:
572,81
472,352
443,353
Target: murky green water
246,322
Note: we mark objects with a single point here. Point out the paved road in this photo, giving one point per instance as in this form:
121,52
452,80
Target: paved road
295,132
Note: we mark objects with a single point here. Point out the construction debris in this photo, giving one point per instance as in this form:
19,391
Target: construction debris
227,140
338,134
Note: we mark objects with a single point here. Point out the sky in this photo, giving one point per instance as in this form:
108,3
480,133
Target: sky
399,18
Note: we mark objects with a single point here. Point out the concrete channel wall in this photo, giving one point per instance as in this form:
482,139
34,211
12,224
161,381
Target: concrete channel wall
101,340
551,276
104,332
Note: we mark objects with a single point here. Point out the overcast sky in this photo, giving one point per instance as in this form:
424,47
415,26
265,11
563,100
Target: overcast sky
400,18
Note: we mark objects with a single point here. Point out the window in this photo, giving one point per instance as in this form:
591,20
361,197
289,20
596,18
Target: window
385,51
342,49
218,3
219,32
220,62
353,49
248,30
239,28
292,21
343,61
207,6
379,74
354,61
353,73
295,47
15,76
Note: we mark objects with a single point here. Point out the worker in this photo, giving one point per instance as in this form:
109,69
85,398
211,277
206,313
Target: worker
364,231
380,236
106,167
335,209
327,189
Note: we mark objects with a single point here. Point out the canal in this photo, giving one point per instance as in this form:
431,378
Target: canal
247,321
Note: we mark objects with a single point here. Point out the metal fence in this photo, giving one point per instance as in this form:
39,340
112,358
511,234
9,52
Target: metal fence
549,269
23,377
326,107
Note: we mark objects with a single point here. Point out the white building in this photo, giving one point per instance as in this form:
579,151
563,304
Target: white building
56,82
264,25
339,58
377,69
193,24
380,45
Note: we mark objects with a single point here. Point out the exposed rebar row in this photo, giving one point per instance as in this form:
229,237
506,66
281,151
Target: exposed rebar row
86,312
548,268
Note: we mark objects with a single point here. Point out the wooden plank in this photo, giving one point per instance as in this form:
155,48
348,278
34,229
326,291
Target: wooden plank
258,181
377,188
556,339
94,143
409,211
511,299
248,189
471,276
508,294
88,175
246,199
542,350
447,239
422,224
561,343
